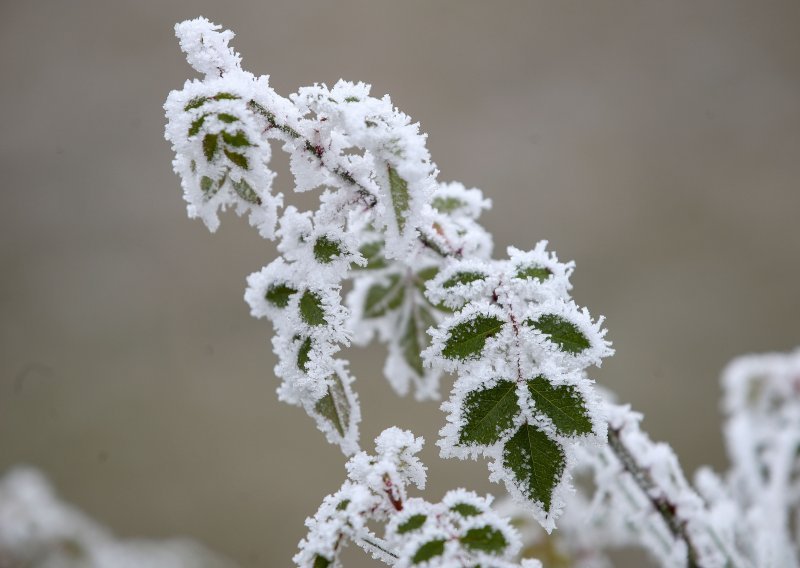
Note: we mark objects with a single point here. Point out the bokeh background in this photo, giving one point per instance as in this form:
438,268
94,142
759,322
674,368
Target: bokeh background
655,143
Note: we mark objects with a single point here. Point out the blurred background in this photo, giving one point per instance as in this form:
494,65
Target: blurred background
655,143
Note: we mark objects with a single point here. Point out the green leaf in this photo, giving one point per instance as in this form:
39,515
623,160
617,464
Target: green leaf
536,463
225,97
562,332
279,294
412,523
373,252
206,184
334,406
343,505
237,140
562,404
303,354
467,339
197,124
227,118
463,278
466,510
196,102
383,298
321,562
534,272
311,310
351,99
237,158
246,191
447,204
486,539
414,340
398,190
489,413
428,551
325,249
210,143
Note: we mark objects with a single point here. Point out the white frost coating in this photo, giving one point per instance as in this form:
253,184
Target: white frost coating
37,530
461,531
514,322
206,48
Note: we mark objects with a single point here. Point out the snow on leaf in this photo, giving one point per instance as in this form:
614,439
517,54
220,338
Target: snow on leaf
466,339
562,404
561,332
489,413
535,462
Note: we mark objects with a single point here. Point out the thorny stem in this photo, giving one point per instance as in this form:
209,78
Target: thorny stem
649,487
368,540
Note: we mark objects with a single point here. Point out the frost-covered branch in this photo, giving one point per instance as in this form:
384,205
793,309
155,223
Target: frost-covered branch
424,282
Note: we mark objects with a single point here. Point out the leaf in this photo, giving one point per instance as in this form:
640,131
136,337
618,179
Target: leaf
463,278
237,140
197,124
226,97
415,340
311,310
373,252
466,510
489,413
246,191
486,539
534,272
237,158
562,332
562,404
536,462
398,190
196,102
303,354
279,294
321,562
206,185
412,523
467,339
383,298
428,551
227,118
447,204
325,249
210,143
334,406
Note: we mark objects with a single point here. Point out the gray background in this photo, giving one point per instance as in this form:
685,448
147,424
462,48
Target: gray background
655,143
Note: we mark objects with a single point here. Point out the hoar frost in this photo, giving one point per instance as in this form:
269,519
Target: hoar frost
421,278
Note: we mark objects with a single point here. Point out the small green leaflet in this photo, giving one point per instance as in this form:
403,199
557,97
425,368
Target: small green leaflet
334,406
489,413
246,191
562,404
237,158
210,143
398,190
279,294
447,204
414,340
311,310
428,551
325,249
463,278
321,562
533,272
303,354
382,298
465,509
536,462
413,523
486,539
467,339
562,332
